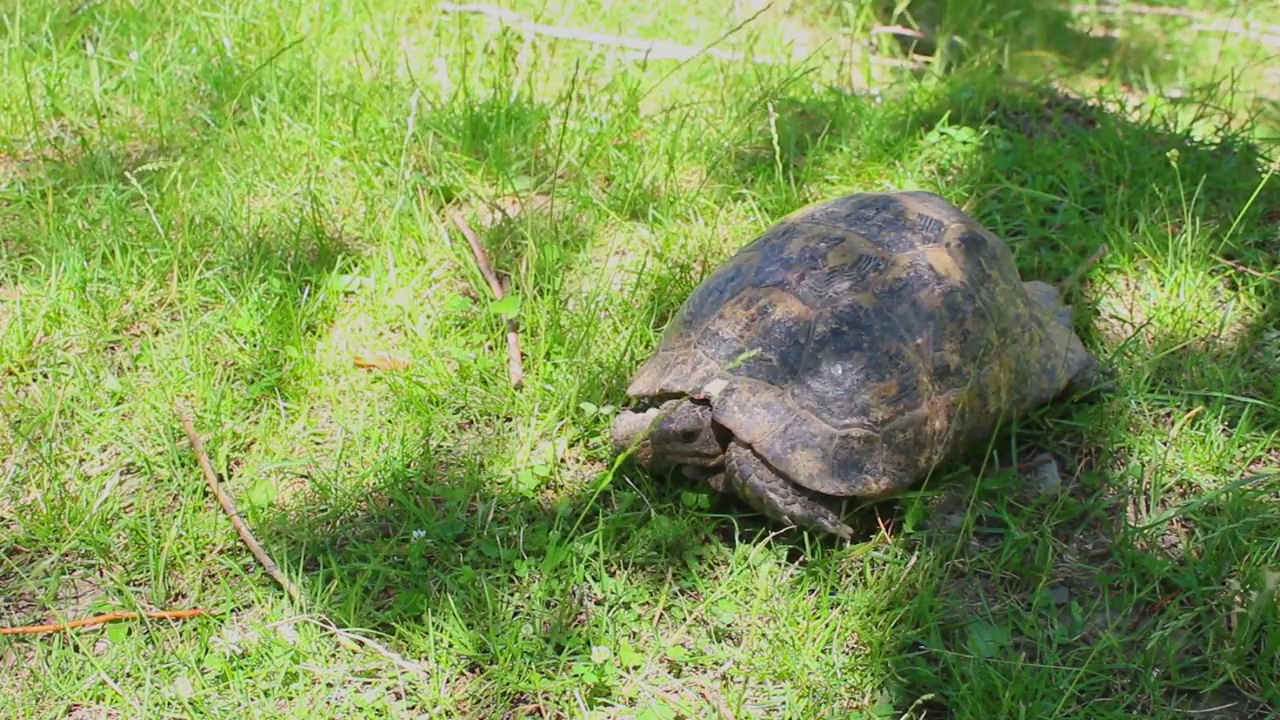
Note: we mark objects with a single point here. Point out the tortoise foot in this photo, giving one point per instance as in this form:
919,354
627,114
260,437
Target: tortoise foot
775,497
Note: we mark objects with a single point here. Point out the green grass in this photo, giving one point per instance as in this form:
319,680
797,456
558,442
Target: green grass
224,203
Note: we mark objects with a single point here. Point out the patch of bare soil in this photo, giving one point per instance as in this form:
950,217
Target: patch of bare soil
81,711
507,208
1081,547
1124,302
1222,704
74,597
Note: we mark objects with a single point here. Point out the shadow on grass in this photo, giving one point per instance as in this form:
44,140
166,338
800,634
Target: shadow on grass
258,275
518,576
1036,590
517,588
1021,37
1118,586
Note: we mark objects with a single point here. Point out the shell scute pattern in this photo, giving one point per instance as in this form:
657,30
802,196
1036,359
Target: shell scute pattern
760,334
755,410
863,340
848,379
706,304
792,250
847,270
895,222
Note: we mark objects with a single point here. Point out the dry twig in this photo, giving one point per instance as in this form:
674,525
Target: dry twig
1033,463
1246,269
346,638
1265,33
229,506
515,367
104,618
899,30
637,48
1084,267
353,640
648,49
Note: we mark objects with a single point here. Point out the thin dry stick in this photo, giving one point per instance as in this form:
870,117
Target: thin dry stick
353,640
1079,272
348,639
1111,9
1033,463
515,367
1209,22
104,618
637,48
650,49
229,506
902,30
1246,269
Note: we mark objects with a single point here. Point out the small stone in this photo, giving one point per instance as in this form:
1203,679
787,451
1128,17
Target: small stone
183,688
1045,477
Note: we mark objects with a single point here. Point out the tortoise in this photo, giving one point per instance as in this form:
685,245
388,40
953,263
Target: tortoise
845,353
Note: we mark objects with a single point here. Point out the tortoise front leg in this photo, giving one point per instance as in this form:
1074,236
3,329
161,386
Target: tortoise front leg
775,497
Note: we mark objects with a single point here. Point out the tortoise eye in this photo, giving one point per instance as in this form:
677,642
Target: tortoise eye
688,436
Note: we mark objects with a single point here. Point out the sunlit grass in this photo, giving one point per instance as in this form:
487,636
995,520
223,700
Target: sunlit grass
226,203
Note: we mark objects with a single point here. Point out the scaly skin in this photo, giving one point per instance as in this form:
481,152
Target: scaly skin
680,435
775,497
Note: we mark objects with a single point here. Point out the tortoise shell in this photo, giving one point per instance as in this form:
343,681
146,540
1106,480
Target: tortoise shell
857,343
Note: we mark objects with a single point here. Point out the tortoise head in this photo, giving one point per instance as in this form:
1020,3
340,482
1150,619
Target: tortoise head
680,433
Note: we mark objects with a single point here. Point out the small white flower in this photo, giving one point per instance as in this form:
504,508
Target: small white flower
419,534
